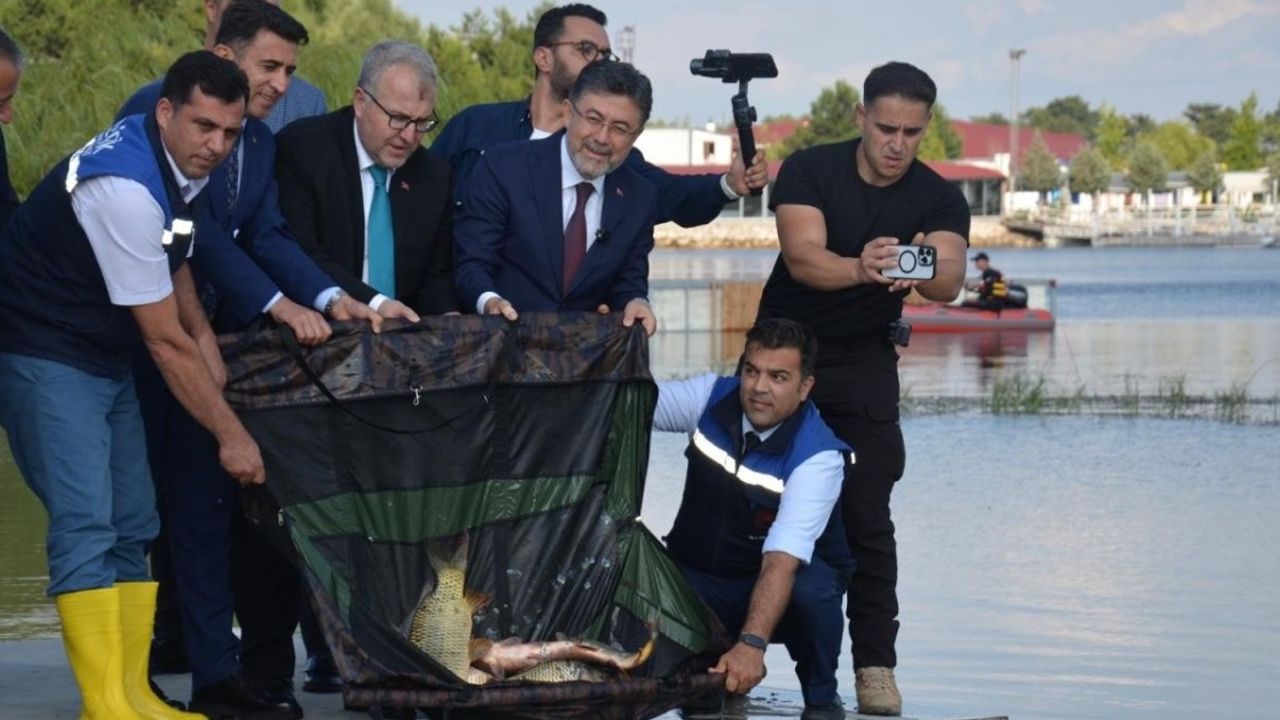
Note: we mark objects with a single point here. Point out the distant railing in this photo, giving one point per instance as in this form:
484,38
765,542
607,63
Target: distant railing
1138,224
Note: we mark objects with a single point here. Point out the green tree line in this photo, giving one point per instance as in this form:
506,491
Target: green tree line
85,58
1208,139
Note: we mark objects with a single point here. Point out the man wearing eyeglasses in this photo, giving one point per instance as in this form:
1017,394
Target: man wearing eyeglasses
362,195
565,40
562,224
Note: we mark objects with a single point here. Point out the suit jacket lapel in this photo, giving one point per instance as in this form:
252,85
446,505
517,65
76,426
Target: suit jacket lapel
353,187
544,171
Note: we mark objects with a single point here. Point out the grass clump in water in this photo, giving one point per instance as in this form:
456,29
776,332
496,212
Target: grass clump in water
1232,405
1018,395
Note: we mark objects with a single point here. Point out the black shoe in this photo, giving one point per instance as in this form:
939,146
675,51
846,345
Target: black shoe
830,711
321,675
239,698
167,658
155,690
281,691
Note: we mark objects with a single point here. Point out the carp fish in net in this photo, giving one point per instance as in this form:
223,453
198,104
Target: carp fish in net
443,623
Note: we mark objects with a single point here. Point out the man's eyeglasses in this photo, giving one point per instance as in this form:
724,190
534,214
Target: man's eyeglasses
589,50
618,130
399,122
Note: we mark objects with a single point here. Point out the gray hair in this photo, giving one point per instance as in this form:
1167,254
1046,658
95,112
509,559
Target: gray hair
10,51
388,53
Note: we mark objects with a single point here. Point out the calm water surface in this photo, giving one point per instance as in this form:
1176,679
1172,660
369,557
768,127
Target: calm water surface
1063,567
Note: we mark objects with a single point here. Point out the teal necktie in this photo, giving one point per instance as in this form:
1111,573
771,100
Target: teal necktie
382,243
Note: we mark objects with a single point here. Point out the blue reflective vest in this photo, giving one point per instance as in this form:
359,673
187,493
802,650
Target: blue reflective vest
53,298
729,506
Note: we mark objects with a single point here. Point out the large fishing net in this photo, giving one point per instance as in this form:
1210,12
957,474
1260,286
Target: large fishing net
466,485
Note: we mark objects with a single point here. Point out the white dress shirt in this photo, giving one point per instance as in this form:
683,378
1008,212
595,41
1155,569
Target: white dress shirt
125,224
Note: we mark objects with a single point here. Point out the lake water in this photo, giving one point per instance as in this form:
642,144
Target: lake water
1051,567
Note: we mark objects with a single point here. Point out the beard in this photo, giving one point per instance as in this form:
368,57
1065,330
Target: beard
561,81
590,166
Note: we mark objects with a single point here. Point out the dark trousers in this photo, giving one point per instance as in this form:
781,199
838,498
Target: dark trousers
810,628
199,499
268,590
872,430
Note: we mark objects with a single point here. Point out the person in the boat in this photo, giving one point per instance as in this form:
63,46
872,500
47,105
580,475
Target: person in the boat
994,292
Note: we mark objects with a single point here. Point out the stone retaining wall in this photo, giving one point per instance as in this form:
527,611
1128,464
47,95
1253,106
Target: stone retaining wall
762,233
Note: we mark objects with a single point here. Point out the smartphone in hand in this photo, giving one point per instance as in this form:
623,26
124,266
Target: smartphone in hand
915,262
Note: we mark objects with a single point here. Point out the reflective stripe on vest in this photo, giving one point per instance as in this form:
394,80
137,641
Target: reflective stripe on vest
744,474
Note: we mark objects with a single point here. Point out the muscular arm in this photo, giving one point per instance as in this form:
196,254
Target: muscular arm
802,233
743,665
185,371
192,318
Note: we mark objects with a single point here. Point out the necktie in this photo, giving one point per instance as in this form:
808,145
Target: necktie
233,176
750,441
575,235
382,250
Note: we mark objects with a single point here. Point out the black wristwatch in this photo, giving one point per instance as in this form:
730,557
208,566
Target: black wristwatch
333,302
754,641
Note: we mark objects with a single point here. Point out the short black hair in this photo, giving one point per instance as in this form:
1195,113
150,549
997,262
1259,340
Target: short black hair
615,78
775,333
244,19
10,51
215,76
551,25
901,79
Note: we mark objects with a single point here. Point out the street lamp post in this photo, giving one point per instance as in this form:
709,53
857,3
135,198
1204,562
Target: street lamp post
1015,56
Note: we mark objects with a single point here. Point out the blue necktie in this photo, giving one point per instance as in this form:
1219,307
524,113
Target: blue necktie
382,250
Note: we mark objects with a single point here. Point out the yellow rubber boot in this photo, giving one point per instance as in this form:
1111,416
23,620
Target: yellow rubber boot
91,635
137,615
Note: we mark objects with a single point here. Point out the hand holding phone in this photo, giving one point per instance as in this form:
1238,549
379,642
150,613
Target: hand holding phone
915,262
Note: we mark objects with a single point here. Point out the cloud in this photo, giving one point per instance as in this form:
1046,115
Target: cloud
1110,48
1032,7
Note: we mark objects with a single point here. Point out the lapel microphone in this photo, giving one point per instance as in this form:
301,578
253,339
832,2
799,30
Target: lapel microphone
602,236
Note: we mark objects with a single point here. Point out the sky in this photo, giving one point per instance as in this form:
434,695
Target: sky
1138,56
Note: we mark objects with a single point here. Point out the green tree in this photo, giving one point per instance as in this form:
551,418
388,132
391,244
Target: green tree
1069,114
1139,124
1211,120
1112,138
1090,173
1039,168
1242,150
941,141
994,118
1178,143
1205,174
1147,169
119,45
831,119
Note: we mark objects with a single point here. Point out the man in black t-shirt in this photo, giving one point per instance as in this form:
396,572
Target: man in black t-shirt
841,209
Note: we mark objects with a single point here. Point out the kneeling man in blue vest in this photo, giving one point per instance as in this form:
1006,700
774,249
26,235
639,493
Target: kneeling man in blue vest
758,534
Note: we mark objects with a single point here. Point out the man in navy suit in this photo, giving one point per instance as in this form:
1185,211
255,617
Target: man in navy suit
11,65
566,39
561,223
246,260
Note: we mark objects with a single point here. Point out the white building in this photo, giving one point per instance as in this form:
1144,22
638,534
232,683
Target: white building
685,146
1242,188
